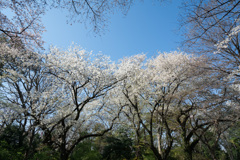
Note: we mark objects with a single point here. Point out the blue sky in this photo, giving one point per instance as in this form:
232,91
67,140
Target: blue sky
149,27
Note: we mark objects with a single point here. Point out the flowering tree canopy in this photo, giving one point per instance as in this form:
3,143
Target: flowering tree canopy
68,96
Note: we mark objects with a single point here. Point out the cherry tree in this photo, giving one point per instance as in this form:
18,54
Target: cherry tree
21,23
21,19
22,81
213,30
69,96
63,94
164,96
148,91
81,84
94,13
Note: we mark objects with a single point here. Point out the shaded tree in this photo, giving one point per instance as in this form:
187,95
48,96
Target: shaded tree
87,150
15,143
118,147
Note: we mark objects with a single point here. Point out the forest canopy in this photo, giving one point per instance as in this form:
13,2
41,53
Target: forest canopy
73,104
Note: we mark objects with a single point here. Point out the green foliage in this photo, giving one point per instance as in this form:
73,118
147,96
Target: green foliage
235,142
12,143
86,150
232,142
148,154
177,153
119,147
45,153
7,152
14,136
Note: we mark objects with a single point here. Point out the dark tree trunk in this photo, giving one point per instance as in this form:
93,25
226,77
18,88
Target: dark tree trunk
187,153
64,156
138,153
30,148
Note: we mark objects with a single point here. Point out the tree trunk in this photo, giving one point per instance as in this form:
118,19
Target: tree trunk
159,143
64,156
30,148
64,152
138,153
157,155
213,154
187,153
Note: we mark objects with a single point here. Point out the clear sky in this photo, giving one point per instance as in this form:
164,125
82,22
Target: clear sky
149,27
